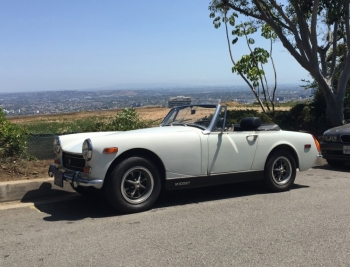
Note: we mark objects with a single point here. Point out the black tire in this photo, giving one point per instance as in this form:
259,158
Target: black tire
336,163
133,185
86,191
280,171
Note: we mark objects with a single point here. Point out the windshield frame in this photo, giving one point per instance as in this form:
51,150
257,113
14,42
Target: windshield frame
206,130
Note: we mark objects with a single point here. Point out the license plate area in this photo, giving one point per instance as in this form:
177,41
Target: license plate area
346,149
58,178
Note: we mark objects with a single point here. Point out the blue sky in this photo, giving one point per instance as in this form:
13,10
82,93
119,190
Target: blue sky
73,45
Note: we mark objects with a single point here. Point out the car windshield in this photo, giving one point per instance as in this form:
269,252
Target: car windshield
198,116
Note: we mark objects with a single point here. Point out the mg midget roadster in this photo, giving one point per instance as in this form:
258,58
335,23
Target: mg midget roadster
194,146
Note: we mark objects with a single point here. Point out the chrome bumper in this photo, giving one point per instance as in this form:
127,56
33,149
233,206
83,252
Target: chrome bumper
73,177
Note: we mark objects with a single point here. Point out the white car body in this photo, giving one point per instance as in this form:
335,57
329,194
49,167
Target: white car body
184,156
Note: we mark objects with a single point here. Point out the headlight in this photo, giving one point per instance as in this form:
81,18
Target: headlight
330,138
327,138
56,145
87,149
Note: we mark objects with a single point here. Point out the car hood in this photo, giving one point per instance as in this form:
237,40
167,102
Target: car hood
344,129
73,142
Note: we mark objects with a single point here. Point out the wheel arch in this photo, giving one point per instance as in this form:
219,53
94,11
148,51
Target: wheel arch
138,152
288,148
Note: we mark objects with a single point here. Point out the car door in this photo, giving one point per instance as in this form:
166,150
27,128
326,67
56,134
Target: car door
231,151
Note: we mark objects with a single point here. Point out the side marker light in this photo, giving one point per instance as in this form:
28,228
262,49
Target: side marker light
110,150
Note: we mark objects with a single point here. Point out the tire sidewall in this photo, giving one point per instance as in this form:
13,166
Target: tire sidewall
268,179
114,187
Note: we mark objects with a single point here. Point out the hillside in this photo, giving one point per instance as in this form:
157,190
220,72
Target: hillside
145,113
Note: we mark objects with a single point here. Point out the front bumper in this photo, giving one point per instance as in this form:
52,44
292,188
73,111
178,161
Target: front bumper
334,151
73,177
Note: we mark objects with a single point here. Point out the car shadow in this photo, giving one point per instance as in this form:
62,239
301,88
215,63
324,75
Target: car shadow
45,190
345,168
78,207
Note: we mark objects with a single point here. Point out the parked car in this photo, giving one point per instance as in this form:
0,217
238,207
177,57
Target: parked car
335,145
194,146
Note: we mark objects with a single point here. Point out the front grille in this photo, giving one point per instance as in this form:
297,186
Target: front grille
345,138
73,162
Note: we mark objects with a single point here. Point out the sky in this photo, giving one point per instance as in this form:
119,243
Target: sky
95,44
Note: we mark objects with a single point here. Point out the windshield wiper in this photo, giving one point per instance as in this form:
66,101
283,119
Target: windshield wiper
176,123
195,125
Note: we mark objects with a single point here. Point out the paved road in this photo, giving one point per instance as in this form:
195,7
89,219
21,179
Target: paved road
235,225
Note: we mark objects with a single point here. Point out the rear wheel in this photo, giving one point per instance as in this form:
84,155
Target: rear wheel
336,163
133,185
280,171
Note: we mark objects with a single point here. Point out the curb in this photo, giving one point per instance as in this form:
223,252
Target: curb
31,189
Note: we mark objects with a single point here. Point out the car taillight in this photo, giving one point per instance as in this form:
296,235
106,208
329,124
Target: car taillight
318,146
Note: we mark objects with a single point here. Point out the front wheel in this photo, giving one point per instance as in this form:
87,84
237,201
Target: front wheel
133,185
280,171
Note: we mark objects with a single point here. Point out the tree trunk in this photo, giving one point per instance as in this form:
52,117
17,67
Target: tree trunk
335,111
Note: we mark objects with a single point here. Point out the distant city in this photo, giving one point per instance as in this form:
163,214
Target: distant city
53,102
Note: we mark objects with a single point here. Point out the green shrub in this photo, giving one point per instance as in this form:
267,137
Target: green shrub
13,139
126,120
72,126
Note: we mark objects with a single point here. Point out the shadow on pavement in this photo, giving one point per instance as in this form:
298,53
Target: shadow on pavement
80,207
345,168
45,190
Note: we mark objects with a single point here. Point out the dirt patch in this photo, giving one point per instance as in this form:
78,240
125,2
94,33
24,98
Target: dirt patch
13,170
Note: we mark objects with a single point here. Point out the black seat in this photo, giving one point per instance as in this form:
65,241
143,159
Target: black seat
250,123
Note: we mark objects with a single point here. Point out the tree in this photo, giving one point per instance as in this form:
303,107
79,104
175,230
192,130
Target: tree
314,32
251,67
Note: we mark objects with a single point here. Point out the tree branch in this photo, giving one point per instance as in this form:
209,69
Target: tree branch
283,15
313,30
335,41
304,31
240,73
347,26
302,60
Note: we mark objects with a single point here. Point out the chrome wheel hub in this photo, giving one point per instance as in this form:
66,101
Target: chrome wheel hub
137,185
281,170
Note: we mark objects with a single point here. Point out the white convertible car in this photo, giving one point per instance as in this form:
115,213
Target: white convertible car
194,146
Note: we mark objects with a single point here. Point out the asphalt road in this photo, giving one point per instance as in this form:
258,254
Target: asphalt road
234,225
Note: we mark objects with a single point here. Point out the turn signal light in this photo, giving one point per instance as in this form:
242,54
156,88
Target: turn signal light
87,169
110,150
318,146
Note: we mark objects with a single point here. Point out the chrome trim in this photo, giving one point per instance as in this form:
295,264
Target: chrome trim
74,177
211,175
213,120
57,145
87,151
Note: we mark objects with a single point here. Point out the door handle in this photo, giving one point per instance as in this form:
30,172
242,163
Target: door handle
254,135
